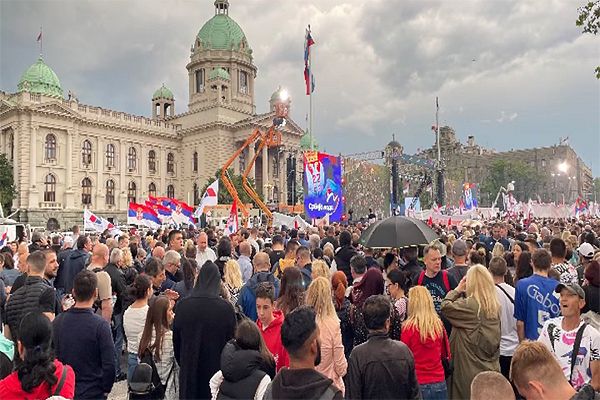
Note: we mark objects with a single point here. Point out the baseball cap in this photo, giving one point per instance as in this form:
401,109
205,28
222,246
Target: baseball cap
586,250
573,288
459,248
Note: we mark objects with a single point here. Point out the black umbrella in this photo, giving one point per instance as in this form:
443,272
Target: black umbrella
397,232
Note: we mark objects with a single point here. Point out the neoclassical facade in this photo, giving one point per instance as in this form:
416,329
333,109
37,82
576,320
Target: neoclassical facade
68,156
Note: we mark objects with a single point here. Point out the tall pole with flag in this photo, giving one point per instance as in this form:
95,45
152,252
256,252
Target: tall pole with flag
40,40
309,79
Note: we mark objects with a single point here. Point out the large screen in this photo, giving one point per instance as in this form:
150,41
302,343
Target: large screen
322,186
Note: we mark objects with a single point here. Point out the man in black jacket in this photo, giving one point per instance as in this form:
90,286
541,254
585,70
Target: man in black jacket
381,368
344,254
300,337
411,262
76,261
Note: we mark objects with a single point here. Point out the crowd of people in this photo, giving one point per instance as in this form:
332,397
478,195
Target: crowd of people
499,311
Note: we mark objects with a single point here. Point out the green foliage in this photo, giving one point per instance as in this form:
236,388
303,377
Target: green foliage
502,172
8,191
426,200
589,19
225,196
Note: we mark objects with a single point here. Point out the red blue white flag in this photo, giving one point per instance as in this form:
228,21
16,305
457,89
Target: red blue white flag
210,198
140,214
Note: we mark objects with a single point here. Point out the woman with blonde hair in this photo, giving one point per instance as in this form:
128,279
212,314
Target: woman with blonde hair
475,339
320,269
333,362
424,334
498,250
233,280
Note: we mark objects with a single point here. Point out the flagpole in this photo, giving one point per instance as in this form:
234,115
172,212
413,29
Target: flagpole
41,42
310,88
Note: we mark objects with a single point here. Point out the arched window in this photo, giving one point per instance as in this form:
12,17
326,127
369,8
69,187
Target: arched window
275,195
110,192
195,162
196,194
170,163
170,192
52,225
86,153
50,188
86,191
275,166
242,163
152,189
131,192
110,155
50,147
152,161
131,159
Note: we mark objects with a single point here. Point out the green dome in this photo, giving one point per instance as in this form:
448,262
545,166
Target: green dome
219,72
163,93
276,94
220,30
305,142
39,78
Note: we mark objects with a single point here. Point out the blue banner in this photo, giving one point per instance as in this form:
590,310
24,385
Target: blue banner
322,186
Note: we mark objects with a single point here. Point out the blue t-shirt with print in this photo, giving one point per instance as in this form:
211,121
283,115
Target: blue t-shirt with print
536,302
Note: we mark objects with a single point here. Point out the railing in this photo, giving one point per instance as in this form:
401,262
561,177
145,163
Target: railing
50,205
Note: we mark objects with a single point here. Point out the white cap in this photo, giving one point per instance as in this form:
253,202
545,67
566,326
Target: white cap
68,240
586,250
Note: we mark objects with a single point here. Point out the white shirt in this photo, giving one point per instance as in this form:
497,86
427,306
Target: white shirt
509,340
134,320
589,350
204,256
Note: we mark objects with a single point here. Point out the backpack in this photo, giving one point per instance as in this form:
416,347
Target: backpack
328,394
145,381
444,276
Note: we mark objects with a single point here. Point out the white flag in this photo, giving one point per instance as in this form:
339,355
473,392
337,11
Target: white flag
210,198
92,222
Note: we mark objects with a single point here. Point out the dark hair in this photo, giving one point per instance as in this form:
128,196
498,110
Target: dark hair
297,327
388,259
266,290
9,262
592,273
410,254
139,287
345,238
37,261
277,239
358,263
189,272
154,267
304,251
522,245
35,334
157,323
249,337
558,247
172,235
376,310
224,247
84,285
402,278
291,247
541,259
523,269
291,291
133,249
81,241
318,253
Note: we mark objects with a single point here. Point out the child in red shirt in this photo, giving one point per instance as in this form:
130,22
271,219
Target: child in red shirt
269,321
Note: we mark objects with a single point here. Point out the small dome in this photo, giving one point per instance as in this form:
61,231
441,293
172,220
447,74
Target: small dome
394,144
276,94
219,72
220,31
163,93
40,78
305,142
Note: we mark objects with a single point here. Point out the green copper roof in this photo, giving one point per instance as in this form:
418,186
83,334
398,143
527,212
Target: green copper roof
163,93
39,78
219,72
220,30
276,94
305,142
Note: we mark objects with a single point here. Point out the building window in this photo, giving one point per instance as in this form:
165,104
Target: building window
110,155
243,82
170,192
242,162
50,147
86,191
131,159
275,194
543,162
50,188
196,194
131,192
195,162
170,163
152,161
275,166
532,164
199,80
86,153
110,192
152,189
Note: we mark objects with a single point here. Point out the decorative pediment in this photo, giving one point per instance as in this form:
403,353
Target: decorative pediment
57,109
266,120
6,105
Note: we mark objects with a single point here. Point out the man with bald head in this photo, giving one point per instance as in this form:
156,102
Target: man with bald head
204,253
99,260
158,252
244,261
262,273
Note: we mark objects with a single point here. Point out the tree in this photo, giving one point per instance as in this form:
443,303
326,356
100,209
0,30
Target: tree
8,191
589,19
526,179
237,180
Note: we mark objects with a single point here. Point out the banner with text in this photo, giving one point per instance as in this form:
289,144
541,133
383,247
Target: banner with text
322,186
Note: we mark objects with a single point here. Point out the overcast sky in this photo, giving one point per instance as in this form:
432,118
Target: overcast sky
513,74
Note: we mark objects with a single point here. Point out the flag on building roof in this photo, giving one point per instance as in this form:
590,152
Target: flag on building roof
309,79
140,214
210,198
232,222
39,36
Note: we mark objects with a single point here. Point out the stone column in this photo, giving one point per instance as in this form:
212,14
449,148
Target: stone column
16,143
3,135
122,163
265,171
33,190
69,192
143,192
163,172
100,204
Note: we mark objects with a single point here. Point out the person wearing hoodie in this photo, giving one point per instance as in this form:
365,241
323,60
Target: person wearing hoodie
76,261
300,337
343,255
203,325
246,366
269,321
262,273
305,265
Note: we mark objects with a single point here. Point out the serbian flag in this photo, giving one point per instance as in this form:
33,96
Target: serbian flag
405,188
140,214
210,198
232,222
39,39
4,239
92,222
152,200
308,41
182,213
309,79
164,213
106,224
